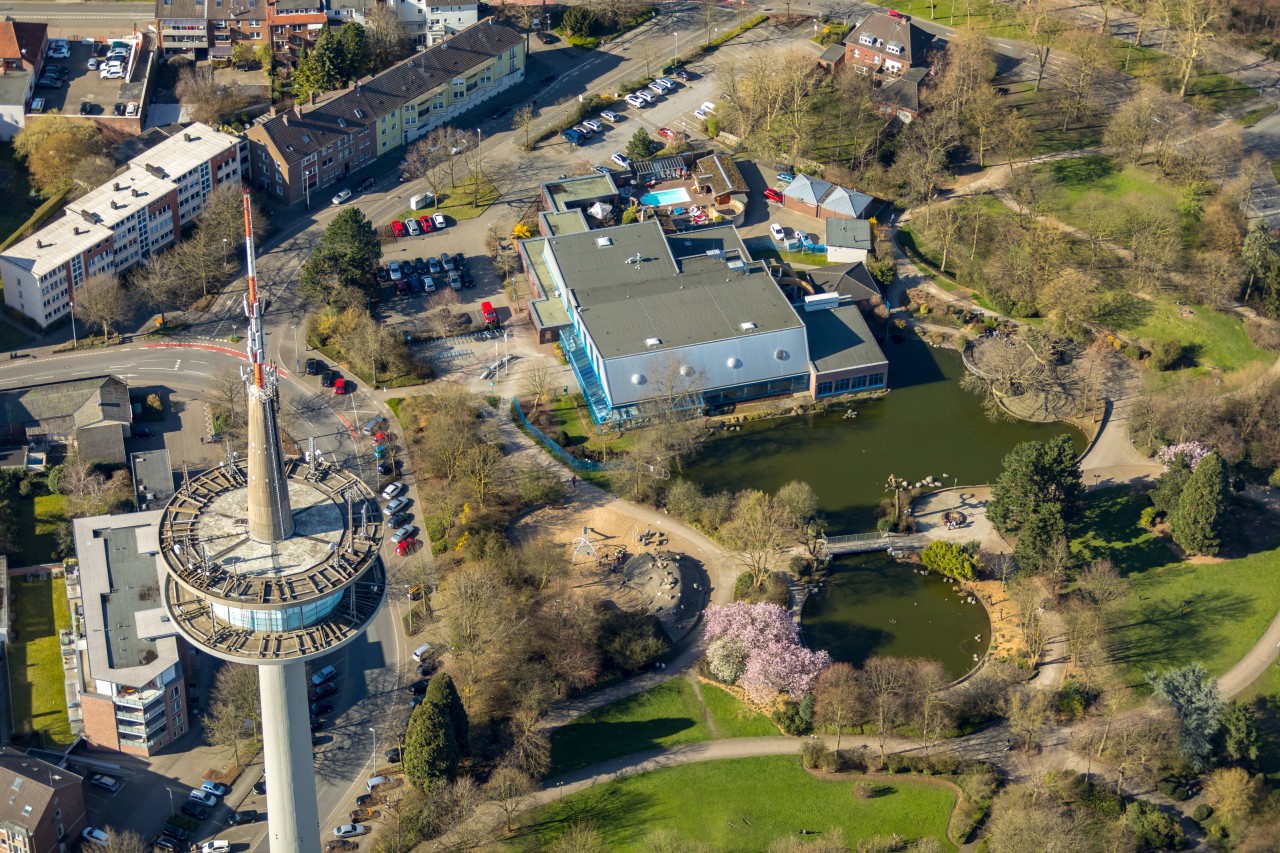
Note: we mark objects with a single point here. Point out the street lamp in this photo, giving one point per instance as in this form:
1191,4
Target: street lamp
373,756
226,259
297,360
408,592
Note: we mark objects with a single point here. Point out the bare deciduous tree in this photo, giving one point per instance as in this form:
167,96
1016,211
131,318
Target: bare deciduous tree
386,35
102,301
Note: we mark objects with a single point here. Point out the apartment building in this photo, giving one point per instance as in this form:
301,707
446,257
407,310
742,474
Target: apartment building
887,43
208,29
131,661
428,23
305,149
121,223
22,48
183,26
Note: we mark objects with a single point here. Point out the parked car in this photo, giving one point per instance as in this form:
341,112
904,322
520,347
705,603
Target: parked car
447,261
656,89
663,81
164,842
367,184
455,281
194,810
385,468
420,266
403,533
427,667
339,386
701,114
327,378
428,284
584,130
204,798
361,815
682,74
546,38
217,845
778,232
324,690
667,133
118,109
621,160
395,506
365,801
635,101
400,519
413,226
85,107
418,688
93,835
319,709
646,96
384,274
392,755
48,83
434,267
175,832
260,787
398,229
242,817
396,271
773,195
314,366
392,490
610,116
111,72
573,137
349,830
784,172
406,546
438,219
100,780
215,788
424,221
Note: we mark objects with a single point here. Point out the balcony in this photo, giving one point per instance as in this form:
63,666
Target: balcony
138,698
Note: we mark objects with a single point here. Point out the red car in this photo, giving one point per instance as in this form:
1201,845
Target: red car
406,546
339,386
666,133
773,195
425,222
398,229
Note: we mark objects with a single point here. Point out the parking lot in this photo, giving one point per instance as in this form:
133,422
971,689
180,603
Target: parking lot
85,86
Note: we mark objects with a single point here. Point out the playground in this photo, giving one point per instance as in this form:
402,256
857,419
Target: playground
634,565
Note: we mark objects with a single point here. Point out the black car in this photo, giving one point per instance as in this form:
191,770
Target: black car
260,787
314,366
142,432
400,519
242,817
447,261
102,49
682,74
392,755
467,281
85,107
164,842
417,688
326,378
59,71
118,109
546,38
194,810
319,708
324,690
427,667
460,259
175,832
316,725
365,801
366,184
420,266
385,468
414,282
434,266
384,275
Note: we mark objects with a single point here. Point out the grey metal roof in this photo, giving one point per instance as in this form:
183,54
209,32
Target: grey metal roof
846,202
304,130
848,233
120,581
676,293
851,280
806,189
839,339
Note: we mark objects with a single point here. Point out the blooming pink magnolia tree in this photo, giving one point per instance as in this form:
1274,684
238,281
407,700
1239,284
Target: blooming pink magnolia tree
1190,451
758,647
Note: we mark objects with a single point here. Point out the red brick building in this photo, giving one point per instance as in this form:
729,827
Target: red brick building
42,810
886,43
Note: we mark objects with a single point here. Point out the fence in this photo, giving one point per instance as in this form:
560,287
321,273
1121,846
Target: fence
556,450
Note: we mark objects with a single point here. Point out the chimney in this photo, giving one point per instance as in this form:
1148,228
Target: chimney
298,108
312,99
186,137
116,186
285,117
114,206
135,192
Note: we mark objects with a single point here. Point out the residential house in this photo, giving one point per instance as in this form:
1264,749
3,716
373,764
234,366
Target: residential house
341,11
848,240
428,23
92,414
42,810
823,199
183,26
22,49
886,43
900,97
121,223
303,150
131,688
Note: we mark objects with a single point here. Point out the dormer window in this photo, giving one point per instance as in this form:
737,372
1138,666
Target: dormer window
894,48
867,40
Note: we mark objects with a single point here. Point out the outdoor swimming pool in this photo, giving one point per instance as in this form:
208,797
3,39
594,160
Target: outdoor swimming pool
679,195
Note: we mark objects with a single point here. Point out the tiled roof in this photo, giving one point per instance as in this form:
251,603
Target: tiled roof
304,130
903,92
833,53
885,29
30,784
846,201
806,189
22,40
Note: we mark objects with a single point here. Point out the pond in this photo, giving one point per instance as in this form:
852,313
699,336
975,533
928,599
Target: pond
927,425
873,606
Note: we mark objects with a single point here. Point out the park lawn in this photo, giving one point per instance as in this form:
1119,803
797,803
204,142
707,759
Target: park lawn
1252,117
36,683
1076,179
731,717
569,414
1147,63
1109,529
18,204
1043,112
743,805
667,715
1216,339
1228,605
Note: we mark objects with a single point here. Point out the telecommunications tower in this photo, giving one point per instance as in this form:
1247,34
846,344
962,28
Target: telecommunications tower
273,561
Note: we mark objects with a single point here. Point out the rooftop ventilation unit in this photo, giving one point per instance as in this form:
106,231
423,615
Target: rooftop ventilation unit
635,259
821,301
747,326
604,241
737,265
653,342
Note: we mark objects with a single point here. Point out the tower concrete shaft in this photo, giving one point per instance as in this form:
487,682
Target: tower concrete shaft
270,516
293,822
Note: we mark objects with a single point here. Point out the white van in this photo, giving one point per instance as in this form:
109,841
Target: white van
375,782
218,845
418,202
421,651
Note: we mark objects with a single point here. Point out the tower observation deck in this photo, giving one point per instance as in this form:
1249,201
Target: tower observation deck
272,562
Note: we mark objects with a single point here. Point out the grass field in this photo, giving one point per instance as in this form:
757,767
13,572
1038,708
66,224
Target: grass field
35,662
1228,604
1212,338
569,414
36,523
742,805
673,713
1083,179
1043,112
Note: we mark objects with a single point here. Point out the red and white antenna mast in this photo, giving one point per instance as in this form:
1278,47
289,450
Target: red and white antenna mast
256,341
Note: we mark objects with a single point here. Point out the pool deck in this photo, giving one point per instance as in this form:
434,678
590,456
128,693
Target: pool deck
696,199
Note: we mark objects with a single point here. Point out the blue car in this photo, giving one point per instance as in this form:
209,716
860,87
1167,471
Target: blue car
574,137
